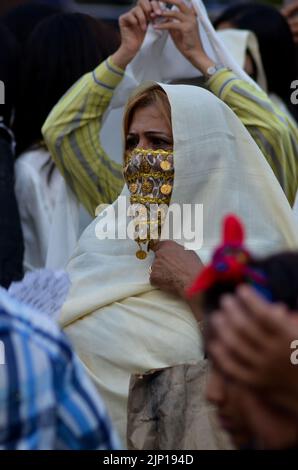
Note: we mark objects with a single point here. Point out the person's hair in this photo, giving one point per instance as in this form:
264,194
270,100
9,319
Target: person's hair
154,95
60,50
23,19
276,44
8,72
281,273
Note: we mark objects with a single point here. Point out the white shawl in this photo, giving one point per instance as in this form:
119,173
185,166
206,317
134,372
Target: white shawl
118,323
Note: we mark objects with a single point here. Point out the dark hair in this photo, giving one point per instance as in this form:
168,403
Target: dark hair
60,50
281,273
23,19
275,41
8,71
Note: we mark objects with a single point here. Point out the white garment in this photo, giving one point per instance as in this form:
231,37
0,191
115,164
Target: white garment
238,42
49,211
118,323
160,60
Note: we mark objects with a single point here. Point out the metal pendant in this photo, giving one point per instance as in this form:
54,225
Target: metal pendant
133,187
141,254
165,165
166,189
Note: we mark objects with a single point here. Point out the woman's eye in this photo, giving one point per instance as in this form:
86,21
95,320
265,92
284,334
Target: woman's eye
131,143
161,143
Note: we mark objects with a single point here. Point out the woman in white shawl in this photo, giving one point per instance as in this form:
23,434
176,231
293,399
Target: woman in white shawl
192,150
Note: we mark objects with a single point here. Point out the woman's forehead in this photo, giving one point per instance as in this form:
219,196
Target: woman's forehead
149,119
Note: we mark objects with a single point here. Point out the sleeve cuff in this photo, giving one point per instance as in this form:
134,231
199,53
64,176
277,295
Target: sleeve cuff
108,75
218,83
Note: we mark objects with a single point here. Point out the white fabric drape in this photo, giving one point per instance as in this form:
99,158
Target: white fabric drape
118,323
160,60
52,217
238,42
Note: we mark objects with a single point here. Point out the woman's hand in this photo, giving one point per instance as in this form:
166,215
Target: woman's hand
133,27
174,269
182,25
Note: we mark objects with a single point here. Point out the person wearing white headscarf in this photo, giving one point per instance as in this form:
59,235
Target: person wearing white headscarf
121,325
118,322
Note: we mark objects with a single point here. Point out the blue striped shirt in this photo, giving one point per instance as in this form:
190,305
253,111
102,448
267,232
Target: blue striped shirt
46,399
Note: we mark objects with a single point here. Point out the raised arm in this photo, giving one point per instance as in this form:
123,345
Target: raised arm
72,130
272,130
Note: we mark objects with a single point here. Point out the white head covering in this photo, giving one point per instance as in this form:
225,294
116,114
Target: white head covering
118,323
238,42
160,60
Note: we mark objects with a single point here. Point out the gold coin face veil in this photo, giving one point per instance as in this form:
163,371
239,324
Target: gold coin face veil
149,175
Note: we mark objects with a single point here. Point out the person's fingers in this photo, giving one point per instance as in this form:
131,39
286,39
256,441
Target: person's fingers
157,246
226,363
169,26
244,352
176,15
141,17
241,322
267,314
146,7
194,11
180,5
156,9
128,19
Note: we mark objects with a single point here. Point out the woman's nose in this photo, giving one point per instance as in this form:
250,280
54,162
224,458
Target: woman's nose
144,143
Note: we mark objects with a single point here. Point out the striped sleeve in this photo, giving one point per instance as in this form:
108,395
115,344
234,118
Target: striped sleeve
72,135
273,131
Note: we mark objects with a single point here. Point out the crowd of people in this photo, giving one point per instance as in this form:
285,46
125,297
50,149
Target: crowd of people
228,143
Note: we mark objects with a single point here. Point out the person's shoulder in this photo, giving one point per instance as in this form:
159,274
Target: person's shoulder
33,159
40,330
28,168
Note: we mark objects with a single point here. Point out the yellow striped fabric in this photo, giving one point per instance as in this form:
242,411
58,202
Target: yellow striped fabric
274,132
73,127
71,133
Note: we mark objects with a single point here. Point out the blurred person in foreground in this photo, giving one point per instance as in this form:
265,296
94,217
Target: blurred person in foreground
11,239
249,331
47,401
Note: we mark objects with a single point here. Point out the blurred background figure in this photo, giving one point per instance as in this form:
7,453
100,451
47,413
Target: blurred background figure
273,34
290,11
7,5
11,240
60,50
22,20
